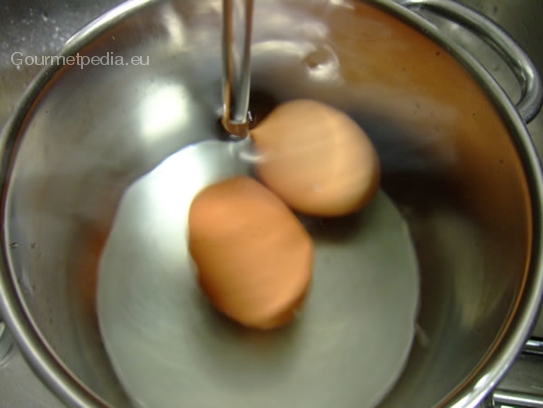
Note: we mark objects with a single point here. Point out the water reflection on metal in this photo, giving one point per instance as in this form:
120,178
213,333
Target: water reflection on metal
167,344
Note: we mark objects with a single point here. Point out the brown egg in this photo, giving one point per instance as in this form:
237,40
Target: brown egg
316,158
254,257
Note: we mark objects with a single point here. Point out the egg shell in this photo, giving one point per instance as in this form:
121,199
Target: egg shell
254,257
316,158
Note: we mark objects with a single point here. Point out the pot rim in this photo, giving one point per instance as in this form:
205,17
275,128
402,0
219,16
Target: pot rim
470,393
497,362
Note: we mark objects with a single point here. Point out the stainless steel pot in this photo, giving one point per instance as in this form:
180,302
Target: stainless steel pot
457,160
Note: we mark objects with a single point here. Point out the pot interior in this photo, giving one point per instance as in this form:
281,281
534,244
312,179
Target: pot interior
449,164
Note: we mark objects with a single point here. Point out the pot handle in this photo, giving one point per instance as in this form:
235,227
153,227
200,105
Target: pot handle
518,61
498,398
513,399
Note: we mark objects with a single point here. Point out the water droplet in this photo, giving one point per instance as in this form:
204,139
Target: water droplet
322,64
421,336
316,58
